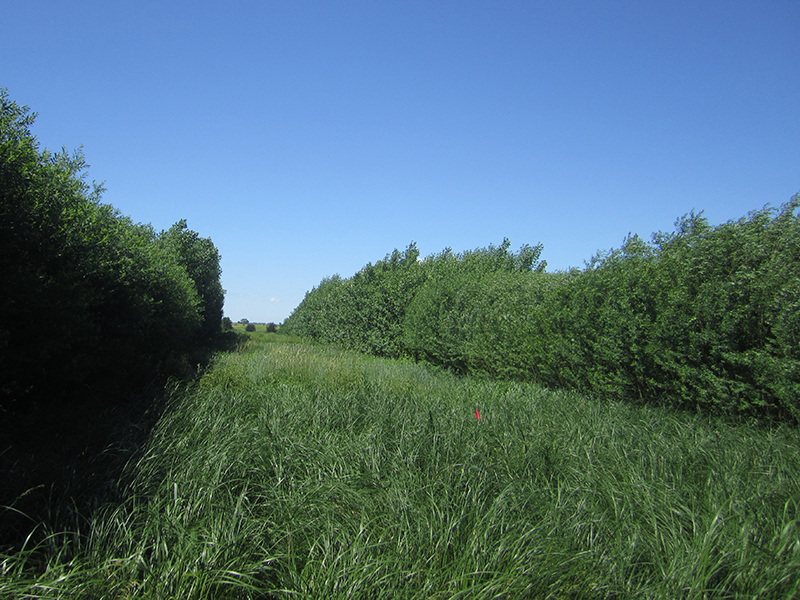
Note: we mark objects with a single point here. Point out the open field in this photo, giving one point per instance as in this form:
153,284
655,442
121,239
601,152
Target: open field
298,470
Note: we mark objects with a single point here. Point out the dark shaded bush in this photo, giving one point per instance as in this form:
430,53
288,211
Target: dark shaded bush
250,327
272,328
131,304
200,258
132,308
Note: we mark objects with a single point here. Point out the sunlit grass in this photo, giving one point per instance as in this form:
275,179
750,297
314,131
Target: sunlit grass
298,470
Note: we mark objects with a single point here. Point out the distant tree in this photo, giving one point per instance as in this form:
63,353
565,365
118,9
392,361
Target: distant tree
243,321
272,328
250,327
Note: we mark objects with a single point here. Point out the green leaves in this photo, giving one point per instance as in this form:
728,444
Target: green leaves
364,312
703,318
90,299
200,258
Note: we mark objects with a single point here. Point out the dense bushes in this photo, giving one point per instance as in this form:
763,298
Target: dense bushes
705,317
367,312
466,301
364,312
199,257
128,303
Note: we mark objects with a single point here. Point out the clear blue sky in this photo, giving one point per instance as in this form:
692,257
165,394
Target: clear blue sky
310,138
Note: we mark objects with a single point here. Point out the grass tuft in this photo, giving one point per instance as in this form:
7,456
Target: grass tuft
297,470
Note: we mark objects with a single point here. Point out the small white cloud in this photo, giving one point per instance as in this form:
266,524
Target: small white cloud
274,300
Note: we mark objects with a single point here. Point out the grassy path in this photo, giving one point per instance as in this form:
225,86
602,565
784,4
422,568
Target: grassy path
292,470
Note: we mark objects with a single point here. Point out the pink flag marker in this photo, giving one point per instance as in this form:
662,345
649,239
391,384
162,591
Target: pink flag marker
477,414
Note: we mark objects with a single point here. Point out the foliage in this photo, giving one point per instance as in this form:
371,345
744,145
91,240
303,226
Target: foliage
250,327
459,313
364,312
200,258
226,324
272,327
705,318
727,330
129,302
367,311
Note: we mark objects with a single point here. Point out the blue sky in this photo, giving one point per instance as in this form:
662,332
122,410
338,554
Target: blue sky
310,138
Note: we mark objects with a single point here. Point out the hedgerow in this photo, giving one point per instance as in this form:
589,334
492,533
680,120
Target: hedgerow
123,303
704,318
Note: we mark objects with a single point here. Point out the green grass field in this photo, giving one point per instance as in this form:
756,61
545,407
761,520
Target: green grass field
300,471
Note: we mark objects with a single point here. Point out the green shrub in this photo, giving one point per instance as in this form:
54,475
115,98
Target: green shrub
367,311
200,258
364,312
726,334
465,316
706,318
250,327
131,303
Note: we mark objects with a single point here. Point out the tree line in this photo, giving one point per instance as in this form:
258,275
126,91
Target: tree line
91,301
704,318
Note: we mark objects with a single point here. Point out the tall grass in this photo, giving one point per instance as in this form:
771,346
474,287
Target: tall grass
303,471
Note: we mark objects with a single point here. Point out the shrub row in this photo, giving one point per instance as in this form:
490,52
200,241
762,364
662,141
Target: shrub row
367,312
90,300
706,318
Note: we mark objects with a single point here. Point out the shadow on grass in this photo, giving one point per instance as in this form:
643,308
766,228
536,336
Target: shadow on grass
61,457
